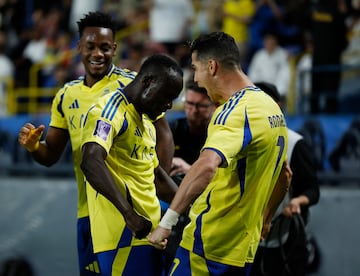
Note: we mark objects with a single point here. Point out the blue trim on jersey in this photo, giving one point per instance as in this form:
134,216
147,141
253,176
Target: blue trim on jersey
124,72
112,105
247,132
223,160
241,168
110,70
59,107
228,108
198,243
75,82
121,84
87,115
124,126
241,165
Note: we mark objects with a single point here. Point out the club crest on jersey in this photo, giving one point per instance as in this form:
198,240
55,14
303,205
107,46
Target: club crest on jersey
102,129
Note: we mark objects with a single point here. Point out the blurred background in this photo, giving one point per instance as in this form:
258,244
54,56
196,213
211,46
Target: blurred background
319,81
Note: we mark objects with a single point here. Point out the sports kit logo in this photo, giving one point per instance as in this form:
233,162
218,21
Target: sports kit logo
138,132
93,267
75,104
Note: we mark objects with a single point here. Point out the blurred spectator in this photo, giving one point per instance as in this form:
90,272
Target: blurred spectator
345,156
79,8
303,76
134,56
214,17
170,22
294,23
271,64
237,15
190,132
351,55
200,22
266,18
48,45
13,20
6,65
329,39
6,73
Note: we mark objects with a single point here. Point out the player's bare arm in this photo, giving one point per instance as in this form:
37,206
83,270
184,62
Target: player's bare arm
281,188
165,146
193,184
165,186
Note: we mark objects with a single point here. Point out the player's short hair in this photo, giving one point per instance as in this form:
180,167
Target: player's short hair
160,63
219,46
96,19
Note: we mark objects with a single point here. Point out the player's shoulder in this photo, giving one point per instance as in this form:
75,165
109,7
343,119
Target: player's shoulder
123,72
73,83
69,86
116,97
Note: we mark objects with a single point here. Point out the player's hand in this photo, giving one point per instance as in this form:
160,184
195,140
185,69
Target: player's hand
158,238
139,226
29,136
179,166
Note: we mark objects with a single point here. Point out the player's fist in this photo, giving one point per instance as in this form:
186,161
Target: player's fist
139,226
29,136
142,233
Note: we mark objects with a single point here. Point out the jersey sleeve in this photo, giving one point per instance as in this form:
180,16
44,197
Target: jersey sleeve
58,119
104,121
228,133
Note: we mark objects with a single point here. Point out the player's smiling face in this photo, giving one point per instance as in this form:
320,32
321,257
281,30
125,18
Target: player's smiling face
97,48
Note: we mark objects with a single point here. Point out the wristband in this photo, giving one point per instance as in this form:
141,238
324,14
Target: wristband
169,219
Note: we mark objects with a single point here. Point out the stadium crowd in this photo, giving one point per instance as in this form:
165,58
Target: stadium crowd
44,32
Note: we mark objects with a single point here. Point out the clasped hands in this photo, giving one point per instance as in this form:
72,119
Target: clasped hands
141,227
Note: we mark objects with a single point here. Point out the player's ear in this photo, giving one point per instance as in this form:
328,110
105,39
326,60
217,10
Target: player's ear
212,66
114,48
